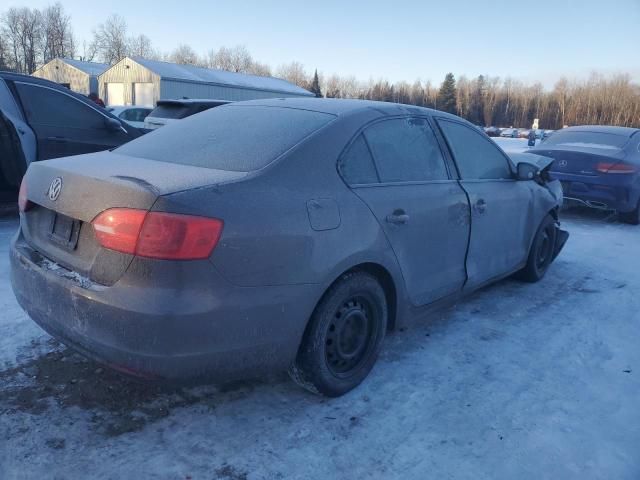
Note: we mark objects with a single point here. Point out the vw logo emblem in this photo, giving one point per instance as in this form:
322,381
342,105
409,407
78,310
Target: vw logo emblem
562,163
54,189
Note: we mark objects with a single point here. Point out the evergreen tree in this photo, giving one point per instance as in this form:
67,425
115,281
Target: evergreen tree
447,94
315,85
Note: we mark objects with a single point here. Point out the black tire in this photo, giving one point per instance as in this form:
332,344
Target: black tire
541,253
344,336
632,218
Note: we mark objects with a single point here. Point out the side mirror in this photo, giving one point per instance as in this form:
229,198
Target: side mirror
527,171
112,124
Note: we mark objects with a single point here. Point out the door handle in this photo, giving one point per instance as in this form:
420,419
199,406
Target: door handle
398,217
481,206
57,139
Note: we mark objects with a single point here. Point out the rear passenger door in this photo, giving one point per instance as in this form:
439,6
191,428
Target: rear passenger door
500,205
397,168
65,125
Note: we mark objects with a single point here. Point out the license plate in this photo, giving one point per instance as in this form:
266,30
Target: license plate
64,231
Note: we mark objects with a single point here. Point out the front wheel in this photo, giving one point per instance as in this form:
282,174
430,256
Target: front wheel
541,253
344,336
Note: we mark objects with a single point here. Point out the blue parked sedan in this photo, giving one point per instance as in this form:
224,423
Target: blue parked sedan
598,166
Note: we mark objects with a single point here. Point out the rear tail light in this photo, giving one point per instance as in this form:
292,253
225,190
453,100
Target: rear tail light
617,167
168,236
23,202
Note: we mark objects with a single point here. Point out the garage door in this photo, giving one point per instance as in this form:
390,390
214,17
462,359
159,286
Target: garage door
143,94
115,94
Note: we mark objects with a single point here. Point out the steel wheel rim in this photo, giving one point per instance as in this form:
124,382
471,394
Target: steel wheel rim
349,337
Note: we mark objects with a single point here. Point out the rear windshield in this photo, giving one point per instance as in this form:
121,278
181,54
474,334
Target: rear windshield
603,141
171,111
234,138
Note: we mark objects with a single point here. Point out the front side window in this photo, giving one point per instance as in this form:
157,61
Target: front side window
46,106
406,150
476,156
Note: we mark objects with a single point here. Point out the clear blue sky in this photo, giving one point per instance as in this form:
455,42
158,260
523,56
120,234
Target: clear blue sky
402,40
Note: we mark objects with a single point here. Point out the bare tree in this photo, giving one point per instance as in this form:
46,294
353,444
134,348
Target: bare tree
293,72
4,52
236,59
141,46
261,69
58,36
232,59
185,55
110,40
22,30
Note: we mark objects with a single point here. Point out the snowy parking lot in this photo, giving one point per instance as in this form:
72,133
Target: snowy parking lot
525,381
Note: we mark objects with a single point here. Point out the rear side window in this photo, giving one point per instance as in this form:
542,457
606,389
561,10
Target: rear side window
476,156
233,138
46,106
406,150
356,164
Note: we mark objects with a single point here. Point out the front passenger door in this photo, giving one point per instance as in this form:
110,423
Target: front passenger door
64,125
501,207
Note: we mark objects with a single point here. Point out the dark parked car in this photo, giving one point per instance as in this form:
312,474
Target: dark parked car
168,111
492,131
275,234
598,166
46,120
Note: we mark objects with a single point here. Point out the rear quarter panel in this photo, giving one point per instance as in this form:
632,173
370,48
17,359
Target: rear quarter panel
269,236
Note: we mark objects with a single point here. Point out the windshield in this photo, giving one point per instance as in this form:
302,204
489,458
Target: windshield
603,141
234,138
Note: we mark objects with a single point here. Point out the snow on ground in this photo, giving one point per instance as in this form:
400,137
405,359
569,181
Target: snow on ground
518,381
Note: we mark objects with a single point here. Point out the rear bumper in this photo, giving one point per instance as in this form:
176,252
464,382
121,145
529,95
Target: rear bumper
600,192
210,329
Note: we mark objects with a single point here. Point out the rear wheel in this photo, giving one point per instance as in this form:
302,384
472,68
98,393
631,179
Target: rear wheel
344,336
632,217
541,253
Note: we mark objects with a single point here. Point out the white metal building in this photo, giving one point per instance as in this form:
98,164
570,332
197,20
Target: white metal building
81,77
138,81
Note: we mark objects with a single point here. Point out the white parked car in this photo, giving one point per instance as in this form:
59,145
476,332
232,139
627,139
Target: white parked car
134,115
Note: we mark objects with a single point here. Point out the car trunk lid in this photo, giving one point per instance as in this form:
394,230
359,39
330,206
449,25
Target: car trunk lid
68,193
579,162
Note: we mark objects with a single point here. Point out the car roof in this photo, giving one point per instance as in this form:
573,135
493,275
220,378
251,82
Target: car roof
21,77
621,131
343,106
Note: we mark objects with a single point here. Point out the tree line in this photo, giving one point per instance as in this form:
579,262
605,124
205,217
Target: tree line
30,37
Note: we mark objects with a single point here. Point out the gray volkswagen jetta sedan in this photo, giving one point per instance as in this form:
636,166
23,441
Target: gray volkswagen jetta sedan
275,234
